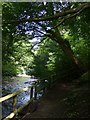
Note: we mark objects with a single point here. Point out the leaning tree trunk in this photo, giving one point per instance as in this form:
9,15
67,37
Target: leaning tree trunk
68,51
65,46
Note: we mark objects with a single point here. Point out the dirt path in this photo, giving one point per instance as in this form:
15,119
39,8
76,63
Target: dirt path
52,104
66,100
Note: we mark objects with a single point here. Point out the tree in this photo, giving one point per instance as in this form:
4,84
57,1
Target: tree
50,61
50,20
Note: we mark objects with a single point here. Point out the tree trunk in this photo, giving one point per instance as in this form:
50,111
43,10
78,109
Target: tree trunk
65,46
68,51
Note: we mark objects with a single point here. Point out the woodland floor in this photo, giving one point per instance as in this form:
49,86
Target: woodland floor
64,100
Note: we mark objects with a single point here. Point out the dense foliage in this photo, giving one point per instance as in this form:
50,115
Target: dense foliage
45,39
50,60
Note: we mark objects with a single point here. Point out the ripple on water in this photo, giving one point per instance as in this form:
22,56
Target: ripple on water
12,86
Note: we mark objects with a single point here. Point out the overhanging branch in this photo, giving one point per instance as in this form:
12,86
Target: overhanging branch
67,17
56,16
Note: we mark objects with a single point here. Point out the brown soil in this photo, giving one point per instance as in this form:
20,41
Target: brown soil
62,101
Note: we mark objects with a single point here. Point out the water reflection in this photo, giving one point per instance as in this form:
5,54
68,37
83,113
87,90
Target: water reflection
12,85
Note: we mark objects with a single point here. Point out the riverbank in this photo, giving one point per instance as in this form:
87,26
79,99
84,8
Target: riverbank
11,85
23,75
64,100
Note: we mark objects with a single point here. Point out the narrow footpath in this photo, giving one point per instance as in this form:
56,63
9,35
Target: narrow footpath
62,101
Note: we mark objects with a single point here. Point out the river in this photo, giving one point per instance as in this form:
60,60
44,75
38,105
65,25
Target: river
10,85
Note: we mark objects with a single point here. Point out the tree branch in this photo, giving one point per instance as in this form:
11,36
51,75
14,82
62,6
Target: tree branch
67,17
56,16
37,43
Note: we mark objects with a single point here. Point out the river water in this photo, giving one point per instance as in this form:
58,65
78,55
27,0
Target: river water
13,85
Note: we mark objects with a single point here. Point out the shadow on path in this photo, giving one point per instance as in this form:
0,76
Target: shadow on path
52,104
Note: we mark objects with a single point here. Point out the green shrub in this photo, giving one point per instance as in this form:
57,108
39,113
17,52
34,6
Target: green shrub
9,70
